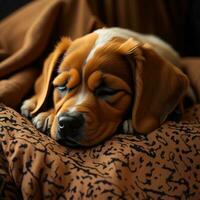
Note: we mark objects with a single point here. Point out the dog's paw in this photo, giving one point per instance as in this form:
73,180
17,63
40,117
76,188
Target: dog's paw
43,121
128,127
27,107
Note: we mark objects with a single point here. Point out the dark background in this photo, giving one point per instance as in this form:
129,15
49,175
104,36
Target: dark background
8,6
176,21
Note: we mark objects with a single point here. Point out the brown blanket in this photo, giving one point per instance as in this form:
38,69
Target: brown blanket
29,34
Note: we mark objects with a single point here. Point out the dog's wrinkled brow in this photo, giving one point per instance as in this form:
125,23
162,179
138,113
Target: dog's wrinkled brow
61,79
95,80
78,52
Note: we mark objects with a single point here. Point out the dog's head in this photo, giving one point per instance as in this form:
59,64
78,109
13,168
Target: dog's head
95,89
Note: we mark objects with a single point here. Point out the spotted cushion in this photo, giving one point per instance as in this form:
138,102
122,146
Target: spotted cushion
164,164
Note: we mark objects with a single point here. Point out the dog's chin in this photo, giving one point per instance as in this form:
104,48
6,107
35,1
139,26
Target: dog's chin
76,144
70,143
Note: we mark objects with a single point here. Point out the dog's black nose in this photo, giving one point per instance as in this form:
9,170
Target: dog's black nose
70,124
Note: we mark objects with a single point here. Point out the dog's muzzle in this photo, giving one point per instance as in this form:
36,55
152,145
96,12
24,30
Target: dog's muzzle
70,128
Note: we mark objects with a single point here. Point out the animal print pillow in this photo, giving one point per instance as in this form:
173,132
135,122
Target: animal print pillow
164,164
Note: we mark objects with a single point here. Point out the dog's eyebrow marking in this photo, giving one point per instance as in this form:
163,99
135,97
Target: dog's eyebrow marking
61,79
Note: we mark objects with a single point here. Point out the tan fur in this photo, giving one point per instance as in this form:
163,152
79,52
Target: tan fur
147,83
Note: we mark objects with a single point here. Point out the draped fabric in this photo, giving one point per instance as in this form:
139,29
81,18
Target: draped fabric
29,34
166,19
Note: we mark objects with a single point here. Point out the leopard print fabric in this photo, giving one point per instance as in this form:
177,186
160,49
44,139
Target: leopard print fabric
164,164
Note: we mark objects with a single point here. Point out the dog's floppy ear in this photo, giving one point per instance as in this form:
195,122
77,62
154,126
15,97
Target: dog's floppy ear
51,63
159,86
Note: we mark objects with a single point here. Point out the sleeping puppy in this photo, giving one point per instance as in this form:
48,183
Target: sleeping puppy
109,77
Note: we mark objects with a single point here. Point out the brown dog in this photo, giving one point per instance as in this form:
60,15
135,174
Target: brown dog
103,79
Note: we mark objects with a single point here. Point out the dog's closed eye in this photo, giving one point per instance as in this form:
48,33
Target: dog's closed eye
104,91
64,88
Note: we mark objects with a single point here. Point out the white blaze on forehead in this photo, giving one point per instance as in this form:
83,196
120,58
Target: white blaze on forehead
81,96
80,99
104,35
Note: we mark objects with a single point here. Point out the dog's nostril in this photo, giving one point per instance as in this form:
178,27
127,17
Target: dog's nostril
61,122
